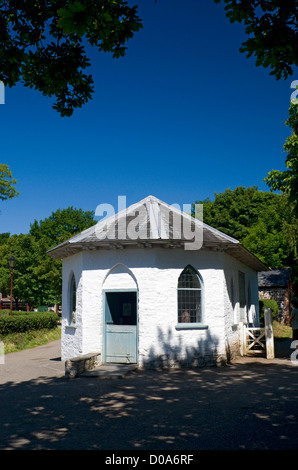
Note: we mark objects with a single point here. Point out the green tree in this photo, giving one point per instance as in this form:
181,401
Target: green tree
235,211
42,44
4,237
34,275
287,180
272,30
61,225
7,182
261,220
37,276
273,238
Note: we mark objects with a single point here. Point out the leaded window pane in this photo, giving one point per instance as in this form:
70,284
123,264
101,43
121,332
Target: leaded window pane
189,306
189,279
189,297
73,300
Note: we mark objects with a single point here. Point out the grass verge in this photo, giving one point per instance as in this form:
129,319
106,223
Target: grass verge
14,342
281,331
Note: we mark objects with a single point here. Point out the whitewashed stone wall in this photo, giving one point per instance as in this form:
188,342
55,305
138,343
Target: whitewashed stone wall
231,301
72,335
154,273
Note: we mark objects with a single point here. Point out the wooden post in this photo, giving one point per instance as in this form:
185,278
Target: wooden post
269,333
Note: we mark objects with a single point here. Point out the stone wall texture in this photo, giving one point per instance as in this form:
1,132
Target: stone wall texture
281,296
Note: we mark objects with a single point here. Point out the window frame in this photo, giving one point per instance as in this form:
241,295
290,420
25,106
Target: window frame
72,291
191,325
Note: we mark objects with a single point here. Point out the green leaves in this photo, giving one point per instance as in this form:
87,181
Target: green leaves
38,277
262,221
272,30
23,322
41,44
7,189
70,19
287,180
58,72
267,237
61,225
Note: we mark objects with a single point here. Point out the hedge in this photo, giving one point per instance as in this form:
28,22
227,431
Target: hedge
27,321
268,303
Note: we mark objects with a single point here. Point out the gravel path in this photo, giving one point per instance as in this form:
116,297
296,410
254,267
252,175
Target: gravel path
250,404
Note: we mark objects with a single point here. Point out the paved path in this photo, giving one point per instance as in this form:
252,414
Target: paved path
30,364
250,404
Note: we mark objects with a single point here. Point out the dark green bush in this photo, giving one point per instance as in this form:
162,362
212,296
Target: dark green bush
268,303
24,321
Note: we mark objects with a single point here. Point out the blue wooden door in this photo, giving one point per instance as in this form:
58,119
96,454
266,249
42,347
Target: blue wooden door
121,327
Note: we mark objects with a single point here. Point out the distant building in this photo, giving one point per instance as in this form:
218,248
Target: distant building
5,303
276,284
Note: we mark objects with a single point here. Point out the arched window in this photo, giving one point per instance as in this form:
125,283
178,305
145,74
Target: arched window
72,300
190,296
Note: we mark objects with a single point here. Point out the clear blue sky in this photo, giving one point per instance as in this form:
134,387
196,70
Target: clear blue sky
182,116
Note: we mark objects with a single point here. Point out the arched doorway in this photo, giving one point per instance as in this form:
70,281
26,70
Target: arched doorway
120,319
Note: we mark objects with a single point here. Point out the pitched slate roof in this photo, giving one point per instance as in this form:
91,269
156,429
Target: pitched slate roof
153,223
274,278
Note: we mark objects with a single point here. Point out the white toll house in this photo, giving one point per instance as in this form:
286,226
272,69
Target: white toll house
155,287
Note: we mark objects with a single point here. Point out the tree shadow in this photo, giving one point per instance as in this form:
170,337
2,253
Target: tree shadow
283,348
240,406
172,352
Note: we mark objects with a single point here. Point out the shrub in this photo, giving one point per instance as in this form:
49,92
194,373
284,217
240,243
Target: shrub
23,321
268,303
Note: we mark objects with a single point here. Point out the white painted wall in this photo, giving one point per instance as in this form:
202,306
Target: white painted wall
231,302
72,335
154,272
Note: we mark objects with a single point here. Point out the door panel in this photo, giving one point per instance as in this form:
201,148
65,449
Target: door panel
121,327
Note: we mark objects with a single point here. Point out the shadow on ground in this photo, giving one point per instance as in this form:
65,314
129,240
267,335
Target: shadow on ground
240,406
284,348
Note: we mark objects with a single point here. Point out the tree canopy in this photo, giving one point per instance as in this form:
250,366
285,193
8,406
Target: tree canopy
261,220
272,29
43,44
7,182
38,277
61,225
287,180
